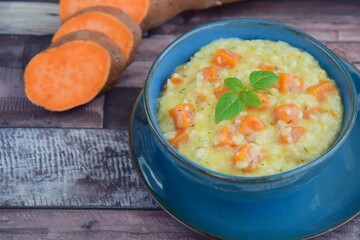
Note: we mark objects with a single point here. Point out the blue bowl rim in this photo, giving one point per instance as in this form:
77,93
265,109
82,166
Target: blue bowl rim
251,179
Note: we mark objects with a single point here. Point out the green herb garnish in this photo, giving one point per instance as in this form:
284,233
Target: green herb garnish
232,103
228,106
233,84
250,98
262,79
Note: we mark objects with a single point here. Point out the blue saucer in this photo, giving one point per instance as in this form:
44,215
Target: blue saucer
327,201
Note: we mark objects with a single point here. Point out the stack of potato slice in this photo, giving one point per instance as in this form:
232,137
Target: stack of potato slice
92,47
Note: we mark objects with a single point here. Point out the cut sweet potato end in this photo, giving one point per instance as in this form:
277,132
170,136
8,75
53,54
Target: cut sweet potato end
137,9
100,22
71,75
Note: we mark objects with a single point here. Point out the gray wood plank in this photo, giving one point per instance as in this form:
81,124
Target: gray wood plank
106,225
33,18
17,111
83,168
118,106
96,224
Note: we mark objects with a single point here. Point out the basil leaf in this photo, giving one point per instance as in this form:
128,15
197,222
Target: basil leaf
262,79
228,106
251,98
233,84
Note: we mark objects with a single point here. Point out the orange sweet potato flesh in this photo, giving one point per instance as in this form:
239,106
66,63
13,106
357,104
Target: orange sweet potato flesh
220,90
118,61
137,9
250,124
225,138
114,23
322,90
248,155
180,138
182,115
68,76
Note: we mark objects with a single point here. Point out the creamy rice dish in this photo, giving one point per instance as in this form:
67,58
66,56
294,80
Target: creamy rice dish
214,112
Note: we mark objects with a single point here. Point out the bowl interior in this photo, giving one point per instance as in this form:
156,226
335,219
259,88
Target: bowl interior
181,50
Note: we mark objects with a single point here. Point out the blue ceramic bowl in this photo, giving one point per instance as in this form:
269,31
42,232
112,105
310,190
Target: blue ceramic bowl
180,51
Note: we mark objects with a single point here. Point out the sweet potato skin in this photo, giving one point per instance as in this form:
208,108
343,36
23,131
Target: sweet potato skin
122,17
118,61
162,10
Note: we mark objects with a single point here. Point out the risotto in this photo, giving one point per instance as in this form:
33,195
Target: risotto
216,110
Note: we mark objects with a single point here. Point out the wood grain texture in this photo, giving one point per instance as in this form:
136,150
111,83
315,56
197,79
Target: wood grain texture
68,168
97,224
118,107
106,225
14,17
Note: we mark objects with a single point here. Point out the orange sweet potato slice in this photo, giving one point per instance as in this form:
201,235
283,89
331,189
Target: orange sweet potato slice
68,76
112,22
118,61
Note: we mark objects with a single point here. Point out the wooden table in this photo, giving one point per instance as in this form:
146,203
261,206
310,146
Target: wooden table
69,175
